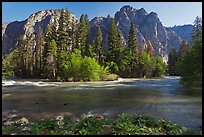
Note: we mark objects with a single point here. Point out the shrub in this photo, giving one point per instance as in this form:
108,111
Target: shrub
77,68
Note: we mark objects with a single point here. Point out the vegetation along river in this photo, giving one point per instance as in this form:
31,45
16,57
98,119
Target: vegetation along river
162,98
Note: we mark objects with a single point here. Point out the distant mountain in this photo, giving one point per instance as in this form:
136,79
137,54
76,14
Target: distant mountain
148,27
184,31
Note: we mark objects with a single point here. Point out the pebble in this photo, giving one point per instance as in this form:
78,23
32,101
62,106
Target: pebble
8,123
4,119
26,129
12,116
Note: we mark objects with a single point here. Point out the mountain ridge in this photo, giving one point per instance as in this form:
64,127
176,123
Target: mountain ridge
148,27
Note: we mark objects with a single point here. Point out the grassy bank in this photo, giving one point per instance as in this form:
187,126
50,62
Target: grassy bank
123,124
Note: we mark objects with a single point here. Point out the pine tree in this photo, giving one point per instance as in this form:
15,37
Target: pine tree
87,30
63,42
184,48
197,29
24,56
98,48
73,34
133,49
82,35
50,65
80,30
63,30
132,40
189,66
172,59
91,50
51,30
112,42
38,53
120,47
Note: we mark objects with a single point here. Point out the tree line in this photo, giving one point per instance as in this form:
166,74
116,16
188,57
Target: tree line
187,62
65,53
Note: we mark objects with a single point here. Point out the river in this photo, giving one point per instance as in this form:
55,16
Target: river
162,98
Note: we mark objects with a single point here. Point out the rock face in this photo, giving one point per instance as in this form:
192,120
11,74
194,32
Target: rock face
104,23
148,27
184,31
28,28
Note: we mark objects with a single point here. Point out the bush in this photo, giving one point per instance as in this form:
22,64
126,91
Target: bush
76,68
104,72
160,67
90,69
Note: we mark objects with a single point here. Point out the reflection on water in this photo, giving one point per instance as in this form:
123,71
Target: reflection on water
161,98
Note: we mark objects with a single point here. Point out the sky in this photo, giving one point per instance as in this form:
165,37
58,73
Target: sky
170,13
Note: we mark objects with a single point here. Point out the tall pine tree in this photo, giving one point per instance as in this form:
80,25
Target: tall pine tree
98,48
112,42
50,65
133,49
82,35
38,52
63,42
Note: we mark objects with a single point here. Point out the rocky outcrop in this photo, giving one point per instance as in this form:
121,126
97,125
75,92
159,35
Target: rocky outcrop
104,24
10,34
148,28
28,28
183,31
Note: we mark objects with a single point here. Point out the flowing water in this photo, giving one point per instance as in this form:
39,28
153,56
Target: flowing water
162,98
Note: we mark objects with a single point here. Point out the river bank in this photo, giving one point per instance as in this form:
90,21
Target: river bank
122,124
161,98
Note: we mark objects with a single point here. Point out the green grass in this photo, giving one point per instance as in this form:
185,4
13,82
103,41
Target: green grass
123,124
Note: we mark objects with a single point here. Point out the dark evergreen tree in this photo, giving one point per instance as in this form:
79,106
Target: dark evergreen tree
38,53
112,42
91,50
82,35
50,65
133,49
197,29
184,47
98,49
24,55
120,48
132,40
189,66
63,42
87,30
72,34
172,59
111,57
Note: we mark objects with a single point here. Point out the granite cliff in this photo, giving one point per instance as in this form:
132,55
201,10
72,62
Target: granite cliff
148,27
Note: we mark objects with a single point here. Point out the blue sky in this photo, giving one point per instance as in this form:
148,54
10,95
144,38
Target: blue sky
170,13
